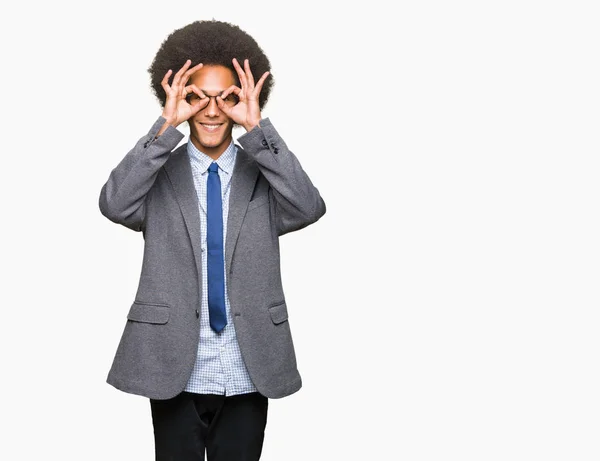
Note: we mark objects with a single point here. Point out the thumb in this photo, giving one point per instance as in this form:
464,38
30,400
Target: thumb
199,105
224,107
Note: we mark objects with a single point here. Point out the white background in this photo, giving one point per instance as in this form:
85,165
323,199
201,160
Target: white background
444,308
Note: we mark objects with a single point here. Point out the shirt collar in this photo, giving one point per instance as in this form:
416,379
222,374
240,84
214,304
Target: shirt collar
225,161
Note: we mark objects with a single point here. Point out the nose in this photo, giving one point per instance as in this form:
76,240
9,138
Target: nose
212,109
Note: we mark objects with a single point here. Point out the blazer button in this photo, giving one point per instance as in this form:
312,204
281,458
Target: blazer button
197,313
276,151
265,143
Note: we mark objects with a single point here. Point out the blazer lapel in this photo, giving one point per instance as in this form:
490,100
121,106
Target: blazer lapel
244,177
179,171
245,173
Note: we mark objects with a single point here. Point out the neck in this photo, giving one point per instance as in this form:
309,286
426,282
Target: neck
212,152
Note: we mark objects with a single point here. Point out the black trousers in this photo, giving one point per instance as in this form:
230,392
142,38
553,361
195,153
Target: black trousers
229,428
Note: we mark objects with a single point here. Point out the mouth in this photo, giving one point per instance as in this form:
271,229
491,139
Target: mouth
211,127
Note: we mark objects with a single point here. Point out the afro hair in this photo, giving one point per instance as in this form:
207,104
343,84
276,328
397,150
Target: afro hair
210,42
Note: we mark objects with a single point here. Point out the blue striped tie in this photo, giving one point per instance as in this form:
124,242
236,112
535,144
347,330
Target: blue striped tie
214,241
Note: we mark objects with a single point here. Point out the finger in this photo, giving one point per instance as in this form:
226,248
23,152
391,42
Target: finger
185,92
180,72
259,84
200,104
232,89
194,89
241,74
191,71
194,109
249,75
223,107
165,81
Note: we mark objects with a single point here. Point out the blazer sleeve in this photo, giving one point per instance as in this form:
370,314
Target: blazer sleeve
123,196
298,202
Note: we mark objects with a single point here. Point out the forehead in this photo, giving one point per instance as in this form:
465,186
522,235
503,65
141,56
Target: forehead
212,78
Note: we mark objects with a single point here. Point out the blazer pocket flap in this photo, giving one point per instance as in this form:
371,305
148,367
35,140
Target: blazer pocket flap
258,201
149,312
278,312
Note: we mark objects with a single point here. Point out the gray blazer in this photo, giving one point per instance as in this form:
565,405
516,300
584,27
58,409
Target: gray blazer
152,190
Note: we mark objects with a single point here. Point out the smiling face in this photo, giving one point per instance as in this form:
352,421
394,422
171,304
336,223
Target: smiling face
210,128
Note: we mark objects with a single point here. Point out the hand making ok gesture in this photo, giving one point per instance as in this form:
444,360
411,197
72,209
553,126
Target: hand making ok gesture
247,111
177,109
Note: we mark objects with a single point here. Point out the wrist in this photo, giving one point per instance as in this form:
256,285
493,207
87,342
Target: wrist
168,122
171,120
251,126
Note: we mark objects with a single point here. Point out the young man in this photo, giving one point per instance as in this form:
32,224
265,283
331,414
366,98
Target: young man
207,338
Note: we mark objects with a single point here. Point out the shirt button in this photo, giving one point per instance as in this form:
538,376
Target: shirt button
197,313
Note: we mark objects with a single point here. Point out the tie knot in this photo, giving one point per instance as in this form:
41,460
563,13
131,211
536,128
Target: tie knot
213,168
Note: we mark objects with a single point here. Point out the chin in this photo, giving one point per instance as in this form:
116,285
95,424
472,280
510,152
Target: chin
211,142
